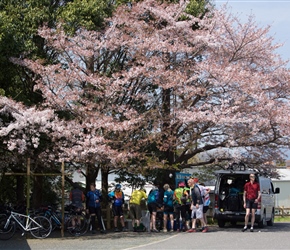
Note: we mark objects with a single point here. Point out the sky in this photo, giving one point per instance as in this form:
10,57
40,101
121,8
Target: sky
266,12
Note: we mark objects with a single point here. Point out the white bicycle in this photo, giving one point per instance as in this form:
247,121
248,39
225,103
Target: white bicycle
39,226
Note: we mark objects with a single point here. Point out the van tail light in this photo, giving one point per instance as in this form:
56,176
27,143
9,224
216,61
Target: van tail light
259,203
216,198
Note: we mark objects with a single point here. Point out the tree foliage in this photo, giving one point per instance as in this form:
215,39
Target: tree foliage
158,87
19,22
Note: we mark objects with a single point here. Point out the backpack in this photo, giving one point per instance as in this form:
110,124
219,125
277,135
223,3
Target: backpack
193,194
168,198
153,196
180,198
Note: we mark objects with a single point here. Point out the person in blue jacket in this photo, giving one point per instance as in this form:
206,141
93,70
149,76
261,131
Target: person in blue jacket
117,198
94,198
168,210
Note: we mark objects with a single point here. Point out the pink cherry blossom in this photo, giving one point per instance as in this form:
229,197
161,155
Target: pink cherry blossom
207,91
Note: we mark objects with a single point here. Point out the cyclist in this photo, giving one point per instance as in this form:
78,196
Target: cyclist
154,205
94,198
135,207
180,198
117,198
168,210
77,198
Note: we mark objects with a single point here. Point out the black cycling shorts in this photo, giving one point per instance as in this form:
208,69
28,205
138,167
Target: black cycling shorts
251,204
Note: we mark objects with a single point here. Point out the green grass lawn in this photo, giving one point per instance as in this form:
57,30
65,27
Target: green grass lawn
282,219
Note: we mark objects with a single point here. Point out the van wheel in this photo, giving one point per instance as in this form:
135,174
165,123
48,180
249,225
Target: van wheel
271,221
262,222
221,223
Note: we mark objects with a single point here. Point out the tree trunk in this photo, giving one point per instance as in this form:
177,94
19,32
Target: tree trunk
167,130
91,175
37,191
105,185
20,189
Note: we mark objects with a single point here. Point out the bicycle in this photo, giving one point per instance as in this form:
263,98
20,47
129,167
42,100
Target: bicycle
78,224
38,226
53,216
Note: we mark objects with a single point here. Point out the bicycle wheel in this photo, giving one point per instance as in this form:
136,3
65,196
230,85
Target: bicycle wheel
41,228
84,225
77,225
7,232
55,223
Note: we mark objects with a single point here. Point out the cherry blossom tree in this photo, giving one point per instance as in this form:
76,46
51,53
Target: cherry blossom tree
172,89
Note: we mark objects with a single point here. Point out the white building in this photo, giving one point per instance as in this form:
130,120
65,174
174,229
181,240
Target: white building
283,198
126,188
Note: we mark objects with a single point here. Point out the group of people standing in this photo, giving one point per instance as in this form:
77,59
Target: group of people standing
181,208
93,205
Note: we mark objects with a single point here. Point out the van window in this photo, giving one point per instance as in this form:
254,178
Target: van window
266,186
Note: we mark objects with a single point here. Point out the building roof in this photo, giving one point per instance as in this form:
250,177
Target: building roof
284,174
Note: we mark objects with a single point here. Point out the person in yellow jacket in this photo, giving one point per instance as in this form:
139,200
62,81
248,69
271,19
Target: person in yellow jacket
180,198
135,208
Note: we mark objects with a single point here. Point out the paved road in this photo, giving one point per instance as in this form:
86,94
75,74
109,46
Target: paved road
276,237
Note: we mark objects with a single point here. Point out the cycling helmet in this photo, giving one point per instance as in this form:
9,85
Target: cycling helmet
181,184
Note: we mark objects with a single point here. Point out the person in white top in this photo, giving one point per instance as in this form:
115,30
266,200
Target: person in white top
206,199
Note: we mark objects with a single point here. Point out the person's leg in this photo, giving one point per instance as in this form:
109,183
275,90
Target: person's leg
171,217
137,223
153,217
92,213
153,220
138,215
93,222
122,220
193,225
177,217
132,215
249,205
205,209
183,216
116,221
199,215
253,218
253,208
247,216
100,220
150,209
78,217
116,216
164,222
204,218
202,223
73,222
193,220
246,219
188,216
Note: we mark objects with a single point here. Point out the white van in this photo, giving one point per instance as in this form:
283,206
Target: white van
229,189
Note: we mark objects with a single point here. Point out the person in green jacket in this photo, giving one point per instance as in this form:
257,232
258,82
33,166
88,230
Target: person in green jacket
180,197
135,208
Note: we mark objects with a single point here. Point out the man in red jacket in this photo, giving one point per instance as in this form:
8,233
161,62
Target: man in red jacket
251,197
